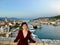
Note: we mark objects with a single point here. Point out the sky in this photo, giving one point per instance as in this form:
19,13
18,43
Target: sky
29,8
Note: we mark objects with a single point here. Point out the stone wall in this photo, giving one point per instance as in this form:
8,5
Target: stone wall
40,43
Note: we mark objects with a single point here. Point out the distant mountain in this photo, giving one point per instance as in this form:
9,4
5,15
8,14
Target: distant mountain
14,18
53,17
2,18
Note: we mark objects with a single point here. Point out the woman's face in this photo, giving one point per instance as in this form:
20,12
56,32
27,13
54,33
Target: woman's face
24,26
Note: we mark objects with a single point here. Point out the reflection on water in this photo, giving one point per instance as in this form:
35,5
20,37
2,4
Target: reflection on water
48,32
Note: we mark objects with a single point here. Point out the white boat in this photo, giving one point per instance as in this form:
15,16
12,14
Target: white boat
30,27
33,35
32,31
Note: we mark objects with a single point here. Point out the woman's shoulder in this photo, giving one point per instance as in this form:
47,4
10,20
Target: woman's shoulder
29,32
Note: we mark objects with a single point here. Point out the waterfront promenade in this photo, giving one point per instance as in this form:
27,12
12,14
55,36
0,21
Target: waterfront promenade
41,43
9,41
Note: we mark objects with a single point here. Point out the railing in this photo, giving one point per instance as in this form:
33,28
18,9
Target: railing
40,43
9,41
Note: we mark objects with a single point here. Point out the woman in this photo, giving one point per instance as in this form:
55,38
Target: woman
24,35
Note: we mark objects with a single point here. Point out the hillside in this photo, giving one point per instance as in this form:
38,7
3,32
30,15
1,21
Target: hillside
53,17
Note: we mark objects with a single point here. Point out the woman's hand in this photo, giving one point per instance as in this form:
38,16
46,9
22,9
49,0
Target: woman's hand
36,42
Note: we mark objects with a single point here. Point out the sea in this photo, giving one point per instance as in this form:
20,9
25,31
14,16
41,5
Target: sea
48,32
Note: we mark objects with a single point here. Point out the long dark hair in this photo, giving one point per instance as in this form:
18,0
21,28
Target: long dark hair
23,24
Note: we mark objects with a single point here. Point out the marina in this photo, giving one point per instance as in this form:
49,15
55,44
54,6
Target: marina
43,34
37,35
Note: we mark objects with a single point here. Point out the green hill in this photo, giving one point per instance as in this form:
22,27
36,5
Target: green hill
55,17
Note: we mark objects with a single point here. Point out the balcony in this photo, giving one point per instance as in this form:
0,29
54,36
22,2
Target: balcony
40,43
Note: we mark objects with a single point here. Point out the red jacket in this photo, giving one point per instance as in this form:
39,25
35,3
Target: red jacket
23,41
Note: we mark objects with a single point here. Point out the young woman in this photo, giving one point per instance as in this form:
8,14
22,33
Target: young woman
24,35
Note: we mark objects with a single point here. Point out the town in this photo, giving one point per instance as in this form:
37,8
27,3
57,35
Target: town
55,20
10,28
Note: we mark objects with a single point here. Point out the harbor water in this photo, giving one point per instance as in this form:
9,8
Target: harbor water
48,32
